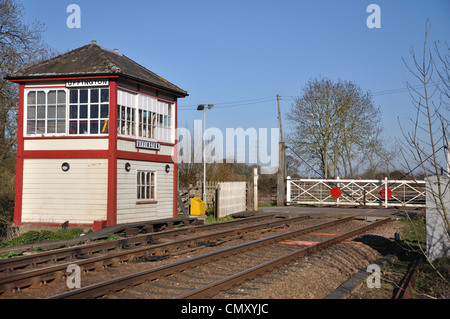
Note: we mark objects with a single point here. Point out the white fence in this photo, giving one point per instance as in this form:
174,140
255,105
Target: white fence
231,198
403,193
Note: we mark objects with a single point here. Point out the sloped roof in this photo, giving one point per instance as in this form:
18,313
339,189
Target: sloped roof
93,60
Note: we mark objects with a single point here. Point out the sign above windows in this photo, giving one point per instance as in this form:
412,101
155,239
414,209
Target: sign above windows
148,145
86,83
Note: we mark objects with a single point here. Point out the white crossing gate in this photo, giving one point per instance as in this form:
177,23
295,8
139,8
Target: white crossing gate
387,193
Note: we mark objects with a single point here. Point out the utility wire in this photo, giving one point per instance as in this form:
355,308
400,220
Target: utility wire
191,107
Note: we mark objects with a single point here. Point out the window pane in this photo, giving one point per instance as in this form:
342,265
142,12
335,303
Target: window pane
51,111
61,111
84,96
52,97
83,127
51,126
31,127
94,96
94,127
104,126
61,126
104,113
73,127
94,111
83,111
31,112
105,95
41,112
74,111
61,97
40,97
153,186
40,127
32,97
73,96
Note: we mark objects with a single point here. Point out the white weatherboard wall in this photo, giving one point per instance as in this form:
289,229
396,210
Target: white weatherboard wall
53,196
231,198
127,208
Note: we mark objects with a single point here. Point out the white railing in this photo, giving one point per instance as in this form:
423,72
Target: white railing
404,193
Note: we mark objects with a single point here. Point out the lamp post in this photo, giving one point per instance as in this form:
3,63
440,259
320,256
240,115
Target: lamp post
202,107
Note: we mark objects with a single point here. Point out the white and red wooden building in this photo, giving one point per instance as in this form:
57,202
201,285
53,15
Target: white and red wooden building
96,141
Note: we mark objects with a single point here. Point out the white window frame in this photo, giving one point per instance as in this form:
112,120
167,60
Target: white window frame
159,115
146,181
46,119
67,104
103,122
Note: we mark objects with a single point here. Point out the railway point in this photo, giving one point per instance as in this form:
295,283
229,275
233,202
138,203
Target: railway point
96,141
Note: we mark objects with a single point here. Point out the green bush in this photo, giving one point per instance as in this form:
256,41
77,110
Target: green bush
31,237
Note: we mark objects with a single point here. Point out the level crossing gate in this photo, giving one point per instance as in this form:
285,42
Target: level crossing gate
387,193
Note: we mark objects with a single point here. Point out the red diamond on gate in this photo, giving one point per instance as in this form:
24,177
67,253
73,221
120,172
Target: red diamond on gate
389,193
336,192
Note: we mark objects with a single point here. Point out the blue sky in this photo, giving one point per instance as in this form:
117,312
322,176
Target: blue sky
249,51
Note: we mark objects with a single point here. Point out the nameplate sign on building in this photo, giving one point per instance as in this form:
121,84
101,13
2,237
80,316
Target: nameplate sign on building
148,145
86,82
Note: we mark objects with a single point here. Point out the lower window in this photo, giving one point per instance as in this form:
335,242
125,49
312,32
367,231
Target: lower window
146,186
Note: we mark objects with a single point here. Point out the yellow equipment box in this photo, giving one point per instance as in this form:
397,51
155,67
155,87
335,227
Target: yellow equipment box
198,207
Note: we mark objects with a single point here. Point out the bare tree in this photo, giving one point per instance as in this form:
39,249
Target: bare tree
21,45
333,122
427,142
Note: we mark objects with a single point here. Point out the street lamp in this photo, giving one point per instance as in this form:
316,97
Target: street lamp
202,107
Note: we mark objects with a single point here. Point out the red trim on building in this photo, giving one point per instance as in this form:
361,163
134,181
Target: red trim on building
70,137
145,157
111,211
175,165
154,88
45,87
145,93
19,162
66,78
66,154
56,225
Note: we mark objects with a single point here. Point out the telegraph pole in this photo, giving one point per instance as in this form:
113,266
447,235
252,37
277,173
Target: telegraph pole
281,182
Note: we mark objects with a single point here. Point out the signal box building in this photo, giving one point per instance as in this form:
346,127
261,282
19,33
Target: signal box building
96,141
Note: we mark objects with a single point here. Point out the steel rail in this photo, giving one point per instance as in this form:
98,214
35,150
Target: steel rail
117,284
237,279
34,277
10,265
409,280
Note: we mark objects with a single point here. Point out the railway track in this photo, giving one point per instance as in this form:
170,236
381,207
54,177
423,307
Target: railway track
205,275
36,270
